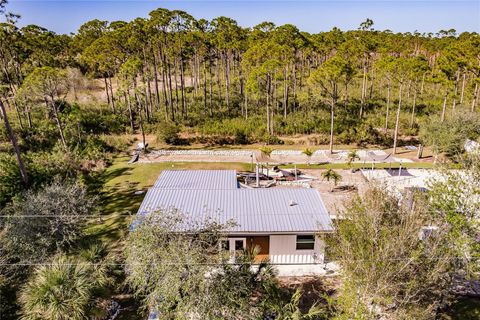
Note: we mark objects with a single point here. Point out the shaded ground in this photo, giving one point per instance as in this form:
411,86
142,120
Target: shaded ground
464,309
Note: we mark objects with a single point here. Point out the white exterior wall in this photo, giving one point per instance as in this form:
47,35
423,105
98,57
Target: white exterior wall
291,262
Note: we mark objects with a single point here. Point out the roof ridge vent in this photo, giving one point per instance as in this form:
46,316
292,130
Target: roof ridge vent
292,203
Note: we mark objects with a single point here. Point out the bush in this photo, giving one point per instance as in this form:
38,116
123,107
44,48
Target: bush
95,121
169,134
42,137
42,168
449,137
57,214
118,143
66,288
241,137
271,139
93,148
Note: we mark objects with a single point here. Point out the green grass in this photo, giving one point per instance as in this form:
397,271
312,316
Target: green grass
143,175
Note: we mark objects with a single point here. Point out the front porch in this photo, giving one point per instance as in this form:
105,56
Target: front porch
290,254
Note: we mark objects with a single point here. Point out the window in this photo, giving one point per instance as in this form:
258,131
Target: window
225,245
305,242
238,245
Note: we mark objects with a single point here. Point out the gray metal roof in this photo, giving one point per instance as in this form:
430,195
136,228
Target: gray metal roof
253,210
197,179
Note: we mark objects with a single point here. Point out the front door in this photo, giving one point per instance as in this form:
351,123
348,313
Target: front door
235,246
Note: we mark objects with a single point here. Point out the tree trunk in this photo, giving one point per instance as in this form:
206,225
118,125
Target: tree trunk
454,102
145,92
423,84
205,89
413,107
388,105
164,82
475,97
59,123
210,69
141,128
219,85
444,108
176,85
463,88
246,104
111,95
29,118
182,88
16,149
364,88
106,90
227,81
372,83
130,114
294,93
268,104
285,93
17,112
170,89
397,120
332,118
155,74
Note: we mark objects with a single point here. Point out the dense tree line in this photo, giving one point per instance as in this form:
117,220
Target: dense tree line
171,67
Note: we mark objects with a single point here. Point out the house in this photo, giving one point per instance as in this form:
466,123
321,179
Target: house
287,224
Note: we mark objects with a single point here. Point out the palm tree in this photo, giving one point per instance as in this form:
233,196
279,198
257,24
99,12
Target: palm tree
309,153
330,174
61,290
352,156
292,310
266,151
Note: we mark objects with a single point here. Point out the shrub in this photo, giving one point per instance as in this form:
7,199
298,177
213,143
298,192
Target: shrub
42,137
169,133
449,137
118,143
271,139
93,148
96,122
57,214
241,137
